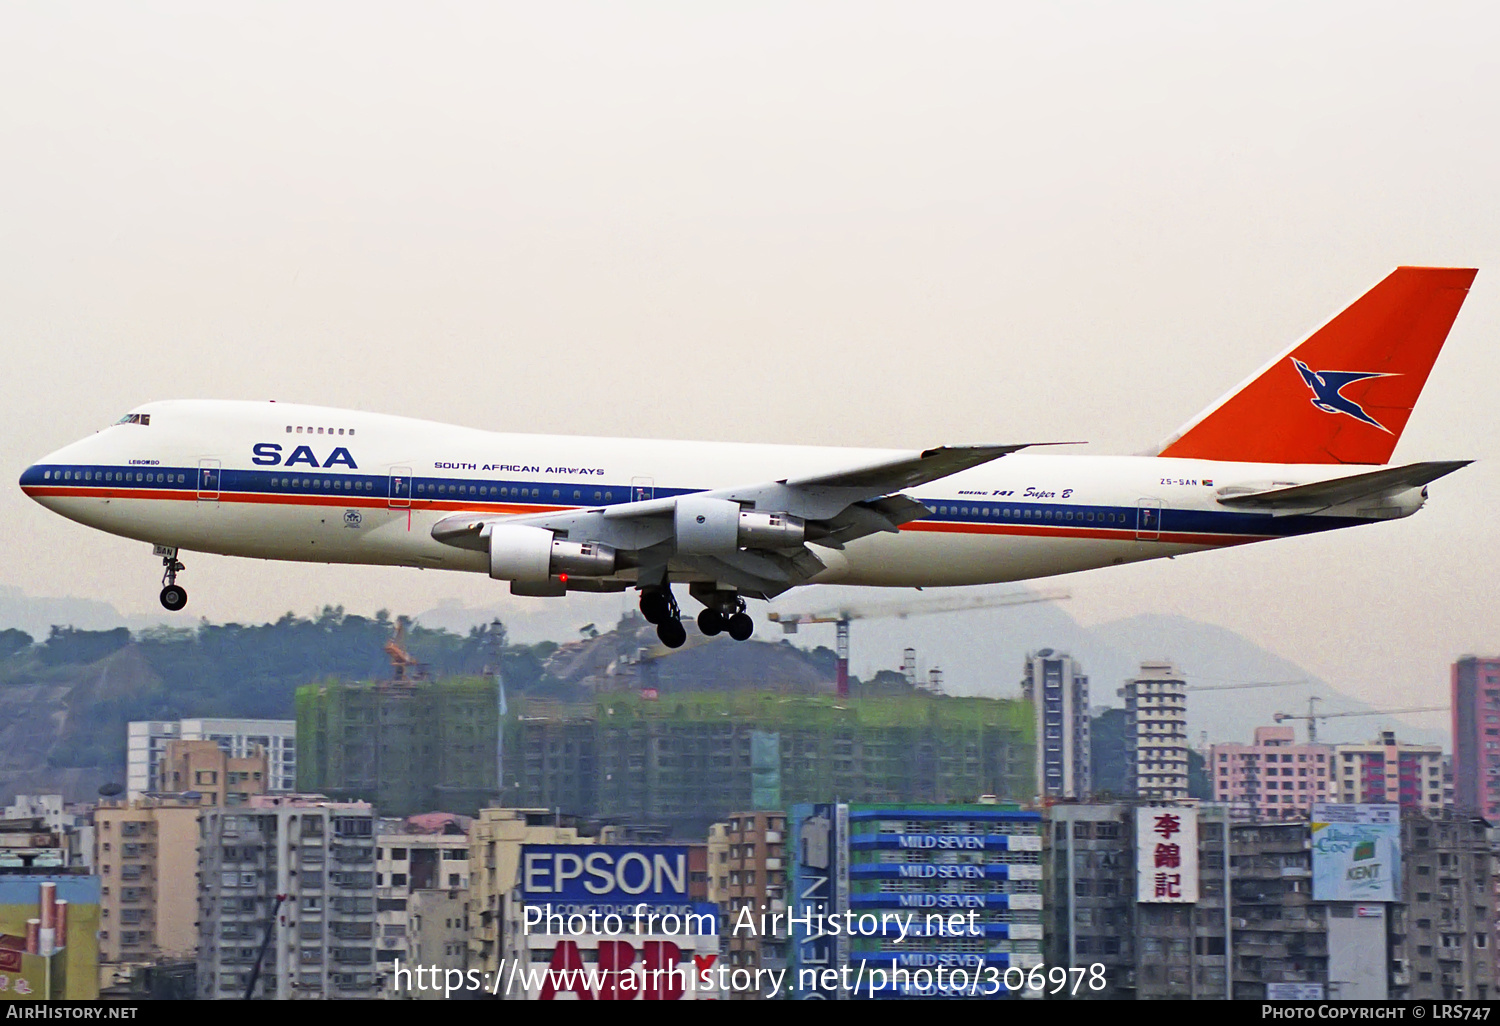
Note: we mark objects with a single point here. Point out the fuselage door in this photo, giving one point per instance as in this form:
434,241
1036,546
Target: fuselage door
400,493
1148,518
641,489
208,480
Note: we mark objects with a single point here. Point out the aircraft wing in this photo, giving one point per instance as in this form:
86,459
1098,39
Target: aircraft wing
908,471
1342,490
838,506
819,496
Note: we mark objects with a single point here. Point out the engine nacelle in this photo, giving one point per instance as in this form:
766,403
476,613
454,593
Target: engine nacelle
706,526
771,530
582,559
520,553
531,555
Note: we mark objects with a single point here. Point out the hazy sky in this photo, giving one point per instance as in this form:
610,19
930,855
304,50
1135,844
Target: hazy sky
867,224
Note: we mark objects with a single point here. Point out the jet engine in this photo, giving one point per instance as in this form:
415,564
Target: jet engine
533,555
705,526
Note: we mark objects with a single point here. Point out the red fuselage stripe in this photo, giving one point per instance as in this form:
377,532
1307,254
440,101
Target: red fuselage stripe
378,502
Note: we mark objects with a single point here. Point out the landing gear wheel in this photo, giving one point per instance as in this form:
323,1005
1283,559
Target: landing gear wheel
173,597
711,622
741,626
672,633
656,607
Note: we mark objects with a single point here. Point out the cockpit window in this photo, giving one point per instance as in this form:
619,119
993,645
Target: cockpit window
144,419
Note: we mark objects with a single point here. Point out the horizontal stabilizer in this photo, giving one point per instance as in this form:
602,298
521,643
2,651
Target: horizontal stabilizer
1343,490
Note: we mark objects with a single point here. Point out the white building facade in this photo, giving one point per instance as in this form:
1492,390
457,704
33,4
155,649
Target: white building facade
146,745
1057,688
408,864
1156,731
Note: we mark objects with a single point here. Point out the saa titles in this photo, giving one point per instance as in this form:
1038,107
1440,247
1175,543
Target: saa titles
268,454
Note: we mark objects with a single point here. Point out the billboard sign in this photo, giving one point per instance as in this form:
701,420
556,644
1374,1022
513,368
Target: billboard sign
1356,852
644,953
815,889
610,922
604,873
1166,846
49,938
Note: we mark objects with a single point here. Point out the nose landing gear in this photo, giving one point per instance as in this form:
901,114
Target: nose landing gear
173,596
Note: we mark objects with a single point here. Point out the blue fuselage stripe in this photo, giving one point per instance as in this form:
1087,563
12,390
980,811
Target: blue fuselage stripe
324,484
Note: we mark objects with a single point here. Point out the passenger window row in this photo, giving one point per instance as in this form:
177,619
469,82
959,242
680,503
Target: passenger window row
299,429
114,476
1007,513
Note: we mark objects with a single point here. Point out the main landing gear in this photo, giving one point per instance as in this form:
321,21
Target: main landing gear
173,596
727,615
724,614
659,607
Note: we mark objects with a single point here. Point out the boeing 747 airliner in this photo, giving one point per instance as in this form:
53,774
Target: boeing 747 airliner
1297,449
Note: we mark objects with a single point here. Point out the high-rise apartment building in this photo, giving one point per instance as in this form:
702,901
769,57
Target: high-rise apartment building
409,746
1476,735
981,861
438,934
1274,778
1386,771
1297,927
691,758
304,867
146,746
1156,731
146,856
1091,893
1442,933
748,870
1280,935
409,862
1098,914
1059,692
146,847
495,840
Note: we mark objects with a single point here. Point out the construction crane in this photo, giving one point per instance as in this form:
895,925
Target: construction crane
404,667
1313,717
841,618
1245,684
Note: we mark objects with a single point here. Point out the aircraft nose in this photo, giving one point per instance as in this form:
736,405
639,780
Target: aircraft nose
33,477
42,479
37,478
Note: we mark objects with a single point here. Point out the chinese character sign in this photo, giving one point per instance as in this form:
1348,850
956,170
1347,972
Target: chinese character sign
1166,844
1356,852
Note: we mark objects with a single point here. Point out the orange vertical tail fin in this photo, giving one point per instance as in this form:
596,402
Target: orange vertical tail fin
1344,394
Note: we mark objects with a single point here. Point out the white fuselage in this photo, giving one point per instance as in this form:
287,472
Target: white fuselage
282,481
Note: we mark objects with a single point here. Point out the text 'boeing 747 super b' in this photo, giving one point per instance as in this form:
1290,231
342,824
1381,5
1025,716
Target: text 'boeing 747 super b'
1301,447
